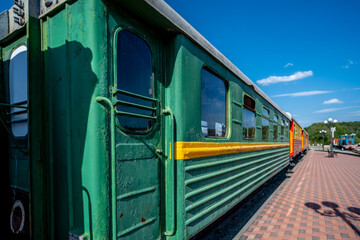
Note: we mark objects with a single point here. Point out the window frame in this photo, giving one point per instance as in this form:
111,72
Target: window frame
10,57
277,124
283,129
147,41
251,110
268,119
227,90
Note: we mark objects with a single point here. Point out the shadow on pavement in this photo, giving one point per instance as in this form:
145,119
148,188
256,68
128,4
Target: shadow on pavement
331,210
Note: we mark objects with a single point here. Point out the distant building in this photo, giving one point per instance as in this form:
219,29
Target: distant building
347,139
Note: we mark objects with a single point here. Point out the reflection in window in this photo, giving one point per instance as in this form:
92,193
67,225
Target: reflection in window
265,124
134,75
282,130
213,105
249,118
275,128
18,90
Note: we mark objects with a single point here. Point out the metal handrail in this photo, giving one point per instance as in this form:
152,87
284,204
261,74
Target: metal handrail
13,105
170,213
17,120
16,113
125,103
130,94
9,132
12,137
115,91
113,163
134,115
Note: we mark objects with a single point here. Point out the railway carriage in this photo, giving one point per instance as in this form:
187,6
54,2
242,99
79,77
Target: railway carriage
120,121
306,140
296,138
303,140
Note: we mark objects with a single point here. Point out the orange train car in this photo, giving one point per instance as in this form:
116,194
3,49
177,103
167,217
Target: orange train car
296,139
306,140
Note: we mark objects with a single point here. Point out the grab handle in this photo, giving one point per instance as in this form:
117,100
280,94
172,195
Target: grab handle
170,213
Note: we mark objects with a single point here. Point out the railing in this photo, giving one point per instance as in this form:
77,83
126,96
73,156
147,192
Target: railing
9,116
153,109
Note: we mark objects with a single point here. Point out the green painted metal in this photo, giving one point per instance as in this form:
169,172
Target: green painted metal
39,173
19,167
170,212
15,182
208,187
112,161
75,72
91,177
138,154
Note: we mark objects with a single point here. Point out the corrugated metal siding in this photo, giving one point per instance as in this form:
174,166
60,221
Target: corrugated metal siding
297,147
214,185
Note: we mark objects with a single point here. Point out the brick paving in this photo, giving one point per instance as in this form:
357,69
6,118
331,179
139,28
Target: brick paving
321,200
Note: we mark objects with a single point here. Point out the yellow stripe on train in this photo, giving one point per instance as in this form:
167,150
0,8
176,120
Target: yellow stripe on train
190,150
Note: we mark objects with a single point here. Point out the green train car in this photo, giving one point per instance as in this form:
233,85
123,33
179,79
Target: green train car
120,121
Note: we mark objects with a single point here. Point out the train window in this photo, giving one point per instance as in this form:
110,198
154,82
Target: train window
265,124
213,105
18,91
275,127
249,118
282,129
134,76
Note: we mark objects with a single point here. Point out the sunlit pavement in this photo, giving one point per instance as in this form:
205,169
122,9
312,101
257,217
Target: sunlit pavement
321,200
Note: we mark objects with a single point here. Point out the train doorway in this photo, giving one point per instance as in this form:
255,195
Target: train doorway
137,130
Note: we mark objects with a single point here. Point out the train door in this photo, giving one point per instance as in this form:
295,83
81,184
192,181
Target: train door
137,135
15,164
302,140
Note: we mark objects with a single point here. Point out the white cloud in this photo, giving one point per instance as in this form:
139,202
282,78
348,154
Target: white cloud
328,110
288,65
303,94
350,62
355,114
334,109
332,101
277,79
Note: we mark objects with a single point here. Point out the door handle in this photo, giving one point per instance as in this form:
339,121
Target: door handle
170,213
113,162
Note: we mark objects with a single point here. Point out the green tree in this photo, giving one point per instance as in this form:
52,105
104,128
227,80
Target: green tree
342,128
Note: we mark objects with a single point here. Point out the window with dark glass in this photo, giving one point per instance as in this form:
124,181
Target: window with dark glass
265,124
282,129
18,91
213,105
135,82
275,128
249,118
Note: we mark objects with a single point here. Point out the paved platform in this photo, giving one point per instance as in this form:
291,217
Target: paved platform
321,200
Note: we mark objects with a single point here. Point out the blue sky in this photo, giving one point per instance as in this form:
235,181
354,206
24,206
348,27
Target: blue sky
304,54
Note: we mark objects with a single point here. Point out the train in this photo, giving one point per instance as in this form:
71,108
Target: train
299,139
118,120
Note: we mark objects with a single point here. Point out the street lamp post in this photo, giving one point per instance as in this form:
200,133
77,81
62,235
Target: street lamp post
332,130
323,133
